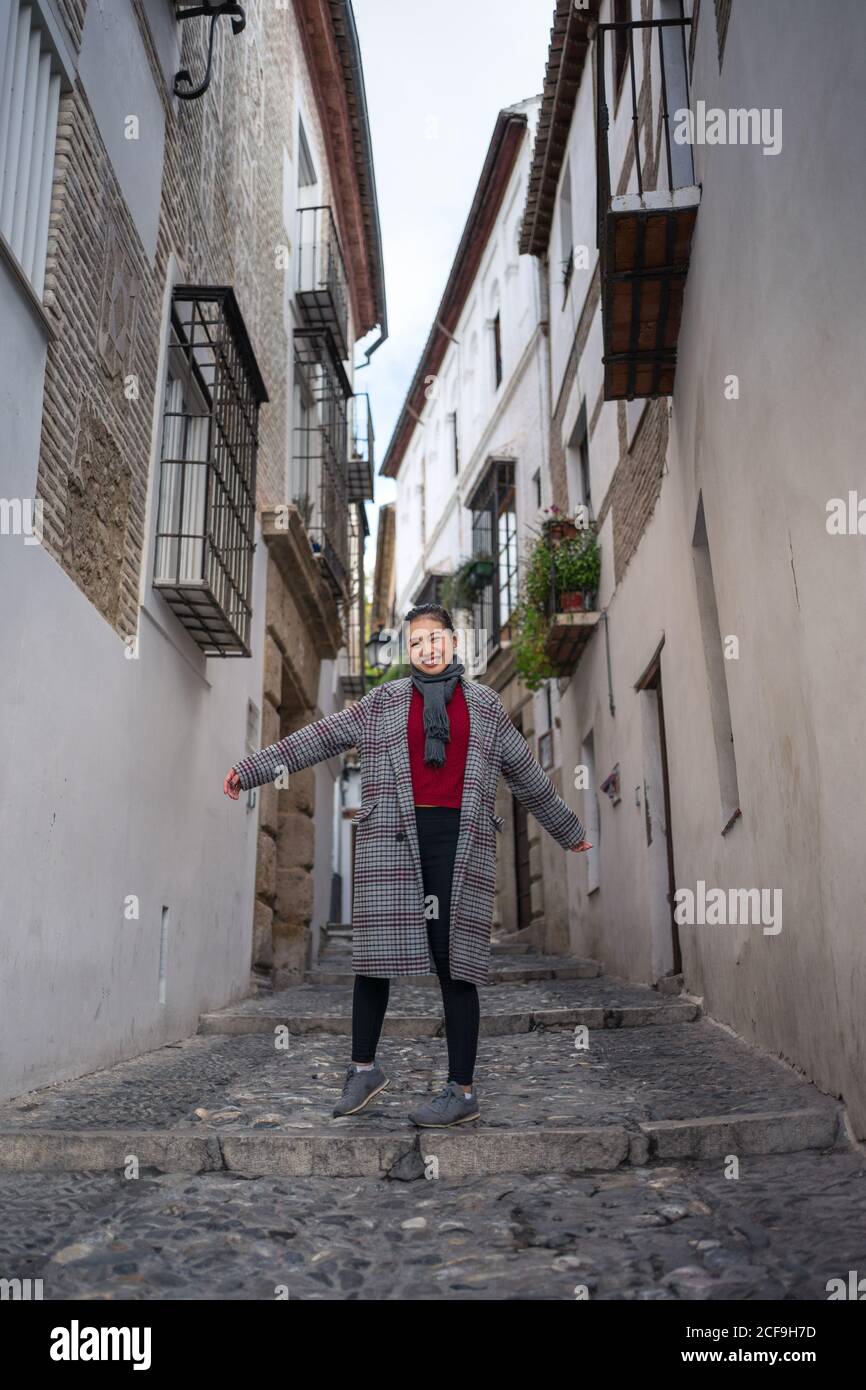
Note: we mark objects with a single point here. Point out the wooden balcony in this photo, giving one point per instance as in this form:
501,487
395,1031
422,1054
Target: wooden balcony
567,636
644,232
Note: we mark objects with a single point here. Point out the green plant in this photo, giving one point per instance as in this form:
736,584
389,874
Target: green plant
531,662
537,582
578,562
461,589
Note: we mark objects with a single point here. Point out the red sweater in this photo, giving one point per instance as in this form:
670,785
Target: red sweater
439,786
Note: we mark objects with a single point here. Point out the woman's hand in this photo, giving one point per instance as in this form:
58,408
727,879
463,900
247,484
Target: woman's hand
584,844
232,784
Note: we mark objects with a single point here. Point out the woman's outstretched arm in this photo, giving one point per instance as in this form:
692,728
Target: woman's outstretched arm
534,789
314,743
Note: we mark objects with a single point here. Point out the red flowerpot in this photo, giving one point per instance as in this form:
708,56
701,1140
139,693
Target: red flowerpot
562,531
571,601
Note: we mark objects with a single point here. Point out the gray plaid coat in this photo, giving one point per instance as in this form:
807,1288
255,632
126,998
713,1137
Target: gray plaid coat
389,934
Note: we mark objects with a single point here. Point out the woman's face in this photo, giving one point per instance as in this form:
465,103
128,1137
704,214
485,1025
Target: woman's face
431,646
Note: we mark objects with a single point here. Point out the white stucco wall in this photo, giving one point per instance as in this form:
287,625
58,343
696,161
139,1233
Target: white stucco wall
112,787
776,295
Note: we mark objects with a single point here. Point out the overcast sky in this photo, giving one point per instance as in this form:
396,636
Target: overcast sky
436,74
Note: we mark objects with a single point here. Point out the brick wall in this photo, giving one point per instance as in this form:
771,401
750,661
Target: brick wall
636,481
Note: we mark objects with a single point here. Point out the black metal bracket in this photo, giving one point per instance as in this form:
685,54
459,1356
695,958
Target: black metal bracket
182,86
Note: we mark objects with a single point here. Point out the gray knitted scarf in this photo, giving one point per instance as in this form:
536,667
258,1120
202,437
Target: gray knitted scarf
437,691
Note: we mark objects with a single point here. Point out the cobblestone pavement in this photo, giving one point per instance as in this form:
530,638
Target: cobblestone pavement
786,1226
671,1229
624,1077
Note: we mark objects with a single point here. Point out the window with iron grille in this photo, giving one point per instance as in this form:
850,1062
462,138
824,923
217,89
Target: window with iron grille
494,533
207,479
430,591
320,454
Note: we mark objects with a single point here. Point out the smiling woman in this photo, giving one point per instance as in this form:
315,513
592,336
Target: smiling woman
432,746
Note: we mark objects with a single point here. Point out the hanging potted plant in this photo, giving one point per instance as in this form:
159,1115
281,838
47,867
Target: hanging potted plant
557,524
480,571
461,589
559,575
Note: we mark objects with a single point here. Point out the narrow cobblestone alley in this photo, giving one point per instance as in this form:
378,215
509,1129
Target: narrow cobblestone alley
596,1171
432,539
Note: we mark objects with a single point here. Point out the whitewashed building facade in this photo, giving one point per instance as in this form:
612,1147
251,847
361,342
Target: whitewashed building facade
183,279
707,355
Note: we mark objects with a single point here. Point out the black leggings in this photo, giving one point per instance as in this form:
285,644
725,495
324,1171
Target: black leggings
437,839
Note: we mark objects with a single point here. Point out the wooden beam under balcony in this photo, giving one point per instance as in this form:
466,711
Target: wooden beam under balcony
567,636
645,261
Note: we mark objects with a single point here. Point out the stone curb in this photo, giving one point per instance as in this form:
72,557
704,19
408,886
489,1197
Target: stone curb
407,1154
765,1132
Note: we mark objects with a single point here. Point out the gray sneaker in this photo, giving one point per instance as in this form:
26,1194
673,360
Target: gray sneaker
450,1107
359,1088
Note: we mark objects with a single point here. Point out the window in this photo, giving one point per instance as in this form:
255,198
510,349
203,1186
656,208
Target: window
566,228
591,818
472,379
430,591
497,352
577,467
714,659
306,167
494,533
455,442
320,454
207,482
536,483
30,79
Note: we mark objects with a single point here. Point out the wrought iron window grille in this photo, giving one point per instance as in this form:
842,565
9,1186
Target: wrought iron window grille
494,532
207,481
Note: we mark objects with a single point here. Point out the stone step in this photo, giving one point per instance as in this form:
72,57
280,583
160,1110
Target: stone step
528,968
443,1153
241,1104
431,1025
321,1005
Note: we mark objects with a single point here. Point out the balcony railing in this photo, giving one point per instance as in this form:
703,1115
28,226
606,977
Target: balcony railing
321,287
320,456
645,226
361,455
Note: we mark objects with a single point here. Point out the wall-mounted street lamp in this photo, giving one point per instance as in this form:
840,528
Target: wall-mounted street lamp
182,86
378,649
